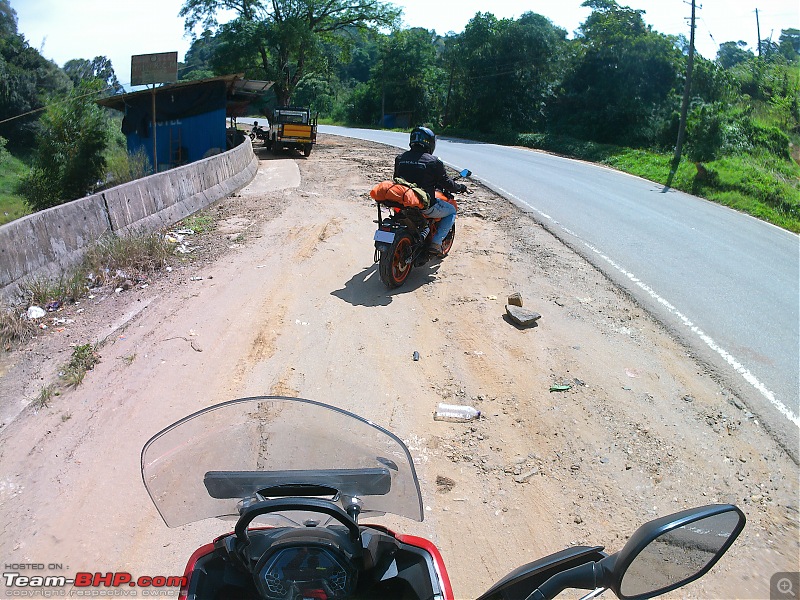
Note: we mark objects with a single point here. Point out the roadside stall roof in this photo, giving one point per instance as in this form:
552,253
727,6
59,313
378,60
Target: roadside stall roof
240,93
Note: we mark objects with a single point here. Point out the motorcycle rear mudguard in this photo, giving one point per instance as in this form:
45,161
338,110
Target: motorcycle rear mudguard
420,256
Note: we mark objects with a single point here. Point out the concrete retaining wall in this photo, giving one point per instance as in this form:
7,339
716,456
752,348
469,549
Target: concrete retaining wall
47,242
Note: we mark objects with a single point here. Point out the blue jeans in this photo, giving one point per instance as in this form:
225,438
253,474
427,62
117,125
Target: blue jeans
447,213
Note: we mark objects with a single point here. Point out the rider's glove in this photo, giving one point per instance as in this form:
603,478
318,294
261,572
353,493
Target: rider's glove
461,188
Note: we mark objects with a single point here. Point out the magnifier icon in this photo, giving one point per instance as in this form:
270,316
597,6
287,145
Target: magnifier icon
785,587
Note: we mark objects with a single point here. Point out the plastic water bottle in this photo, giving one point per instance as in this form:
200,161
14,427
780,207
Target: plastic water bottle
456,413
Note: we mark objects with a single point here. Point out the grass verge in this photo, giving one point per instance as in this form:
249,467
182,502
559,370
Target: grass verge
45,396
12,205
84,358
759,184
109,261
127,257
14,326
201,222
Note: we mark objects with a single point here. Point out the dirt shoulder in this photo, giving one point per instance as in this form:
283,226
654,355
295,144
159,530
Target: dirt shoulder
283,298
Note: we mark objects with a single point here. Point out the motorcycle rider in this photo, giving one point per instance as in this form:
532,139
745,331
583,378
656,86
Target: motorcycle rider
257,132
420,167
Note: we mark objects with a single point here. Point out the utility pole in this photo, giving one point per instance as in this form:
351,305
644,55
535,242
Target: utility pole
383,94
446,116
155,146
758,29
684,105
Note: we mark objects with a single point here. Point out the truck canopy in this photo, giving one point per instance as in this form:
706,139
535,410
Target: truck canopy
299,116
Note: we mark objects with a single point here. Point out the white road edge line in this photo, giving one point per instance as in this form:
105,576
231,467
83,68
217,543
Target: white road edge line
726,356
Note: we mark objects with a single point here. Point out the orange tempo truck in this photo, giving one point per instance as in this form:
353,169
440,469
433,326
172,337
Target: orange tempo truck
292,127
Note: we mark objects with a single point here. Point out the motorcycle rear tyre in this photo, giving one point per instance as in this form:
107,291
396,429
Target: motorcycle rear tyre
393,268
447,242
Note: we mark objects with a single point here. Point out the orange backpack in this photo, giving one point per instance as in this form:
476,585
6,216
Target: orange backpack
389,191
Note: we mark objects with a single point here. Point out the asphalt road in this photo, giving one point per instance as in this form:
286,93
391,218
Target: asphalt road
724,283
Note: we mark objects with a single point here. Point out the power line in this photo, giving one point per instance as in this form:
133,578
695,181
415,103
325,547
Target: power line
708,29
46,106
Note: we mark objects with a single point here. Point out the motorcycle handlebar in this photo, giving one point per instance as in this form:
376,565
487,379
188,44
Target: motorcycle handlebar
310,504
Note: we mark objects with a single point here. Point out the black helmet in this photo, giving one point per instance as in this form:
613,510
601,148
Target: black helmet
424,138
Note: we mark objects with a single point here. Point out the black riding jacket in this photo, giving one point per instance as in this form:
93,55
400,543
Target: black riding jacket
425,170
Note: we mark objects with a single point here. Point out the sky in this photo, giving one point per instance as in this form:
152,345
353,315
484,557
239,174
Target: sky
67,29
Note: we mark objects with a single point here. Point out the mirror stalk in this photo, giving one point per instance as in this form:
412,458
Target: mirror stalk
583,577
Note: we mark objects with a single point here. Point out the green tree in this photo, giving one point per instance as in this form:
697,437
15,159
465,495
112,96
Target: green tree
475,64
622,86
731,54
407,78
504,72
315,92
362,55
711,82
284,37
69,159
197,61
769,48
25,79
789,44
99,68
8,19
236,49
704,136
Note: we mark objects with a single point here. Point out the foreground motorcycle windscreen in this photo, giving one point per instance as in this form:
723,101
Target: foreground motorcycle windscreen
204,465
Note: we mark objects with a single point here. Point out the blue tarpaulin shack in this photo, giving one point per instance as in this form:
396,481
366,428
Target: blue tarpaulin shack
190,117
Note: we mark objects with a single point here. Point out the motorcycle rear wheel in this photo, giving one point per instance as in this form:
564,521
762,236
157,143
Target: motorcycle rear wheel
394,266
447,242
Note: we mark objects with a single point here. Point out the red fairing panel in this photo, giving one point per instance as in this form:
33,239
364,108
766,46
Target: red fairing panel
187,574
431,549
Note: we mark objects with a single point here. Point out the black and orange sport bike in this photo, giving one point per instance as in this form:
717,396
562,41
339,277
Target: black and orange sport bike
403,238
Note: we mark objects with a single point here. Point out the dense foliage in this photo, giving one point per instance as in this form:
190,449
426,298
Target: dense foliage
618,81
616,84
613,93
49,117
283,40
69,159
99,69
26,78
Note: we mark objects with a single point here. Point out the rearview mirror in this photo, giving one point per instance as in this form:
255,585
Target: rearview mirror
672,551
